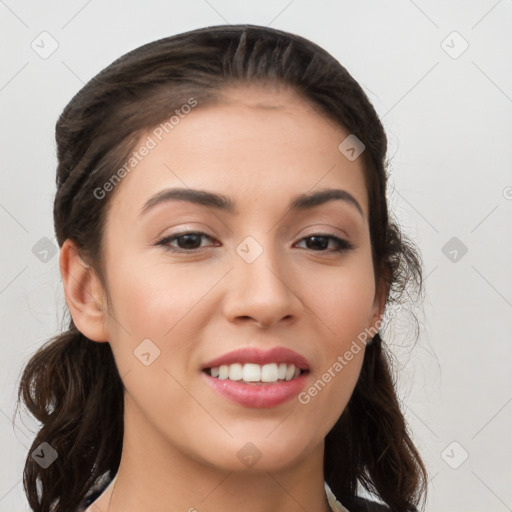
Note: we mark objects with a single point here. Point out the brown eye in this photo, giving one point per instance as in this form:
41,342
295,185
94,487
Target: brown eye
321,243
188,241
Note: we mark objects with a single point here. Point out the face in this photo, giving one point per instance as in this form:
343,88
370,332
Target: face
260,282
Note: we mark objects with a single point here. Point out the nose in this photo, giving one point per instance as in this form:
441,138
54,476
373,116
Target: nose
261,292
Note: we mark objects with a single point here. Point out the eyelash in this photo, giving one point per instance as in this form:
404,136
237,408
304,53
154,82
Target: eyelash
343,245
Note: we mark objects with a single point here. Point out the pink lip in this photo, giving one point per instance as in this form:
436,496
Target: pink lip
257,395
262,394
252,355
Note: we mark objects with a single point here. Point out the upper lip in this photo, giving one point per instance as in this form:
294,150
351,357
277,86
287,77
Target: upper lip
253,355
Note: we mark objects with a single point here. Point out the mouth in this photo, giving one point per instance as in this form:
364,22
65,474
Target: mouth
254,378
256,374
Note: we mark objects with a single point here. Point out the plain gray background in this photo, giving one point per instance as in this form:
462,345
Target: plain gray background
447,110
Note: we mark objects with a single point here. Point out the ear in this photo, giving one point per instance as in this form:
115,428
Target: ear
379,303
84,293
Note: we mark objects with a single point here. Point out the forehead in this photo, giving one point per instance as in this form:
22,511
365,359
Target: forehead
257,143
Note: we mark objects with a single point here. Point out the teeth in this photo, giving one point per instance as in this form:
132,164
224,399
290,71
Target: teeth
290,371
250,372
224,372
269,373
235,372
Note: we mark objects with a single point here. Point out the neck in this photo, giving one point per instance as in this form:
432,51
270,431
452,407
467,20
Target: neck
229,492
155,476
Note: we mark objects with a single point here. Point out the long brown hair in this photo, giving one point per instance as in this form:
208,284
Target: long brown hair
72,385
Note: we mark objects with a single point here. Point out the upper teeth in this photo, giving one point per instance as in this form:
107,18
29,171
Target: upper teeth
254,372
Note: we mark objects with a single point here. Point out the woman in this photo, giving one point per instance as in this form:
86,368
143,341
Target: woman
227,256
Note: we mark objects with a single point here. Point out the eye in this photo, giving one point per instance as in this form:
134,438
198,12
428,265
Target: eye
187,241
190,241
321,242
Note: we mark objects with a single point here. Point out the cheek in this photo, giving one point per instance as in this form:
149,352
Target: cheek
343,311
152,300
342,302
161,303
156,310
329,392
342,299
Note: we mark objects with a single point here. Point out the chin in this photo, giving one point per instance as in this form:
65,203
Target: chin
260,454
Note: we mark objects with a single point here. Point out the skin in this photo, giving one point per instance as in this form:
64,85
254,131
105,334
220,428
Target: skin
261,147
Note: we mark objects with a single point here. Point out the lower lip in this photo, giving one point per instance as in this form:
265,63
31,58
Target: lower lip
258,395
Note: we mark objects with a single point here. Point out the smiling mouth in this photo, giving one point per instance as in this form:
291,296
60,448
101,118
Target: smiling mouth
256,374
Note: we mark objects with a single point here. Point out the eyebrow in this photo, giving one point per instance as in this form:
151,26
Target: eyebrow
224,203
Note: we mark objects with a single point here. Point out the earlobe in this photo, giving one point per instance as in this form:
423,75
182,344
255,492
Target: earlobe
84,293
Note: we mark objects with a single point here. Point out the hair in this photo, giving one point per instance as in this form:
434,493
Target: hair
71,385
